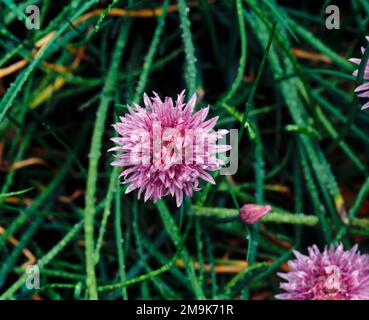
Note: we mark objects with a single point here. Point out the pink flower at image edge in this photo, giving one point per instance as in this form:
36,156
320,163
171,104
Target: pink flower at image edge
333,274
363,89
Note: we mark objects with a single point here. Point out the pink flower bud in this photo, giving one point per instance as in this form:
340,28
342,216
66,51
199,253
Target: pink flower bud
252,213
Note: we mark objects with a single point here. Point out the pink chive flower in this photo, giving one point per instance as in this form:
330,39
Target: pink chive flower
166,148
334,274
252,213
362,90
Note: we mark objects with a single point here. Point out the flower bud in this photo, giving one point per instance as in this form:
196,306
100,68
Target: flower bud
252,213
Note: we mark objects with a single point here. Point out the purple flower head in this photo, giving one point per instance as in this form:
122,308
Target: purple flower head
362,90
334,274
166,148
252,213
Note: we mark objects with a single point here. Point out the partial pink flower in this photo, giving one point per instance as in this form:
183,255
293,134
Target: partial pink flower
362,90
252,213
166,148
334,274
